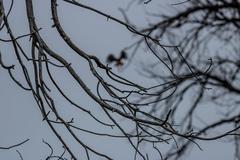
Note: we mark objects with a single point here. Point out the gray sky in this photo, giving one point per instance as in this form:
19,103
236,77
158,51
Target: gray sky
20,117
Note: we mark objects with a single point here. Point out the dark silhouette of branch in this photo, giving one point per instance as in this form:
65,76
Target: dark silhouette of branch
15,145
188,70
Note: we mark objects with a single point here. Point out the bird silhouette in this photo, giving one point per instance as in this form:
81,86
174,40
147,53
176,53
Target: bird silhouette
117,61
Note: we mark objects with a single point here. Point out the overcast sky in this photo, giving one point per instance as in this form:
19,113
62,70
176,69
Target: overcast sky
20,117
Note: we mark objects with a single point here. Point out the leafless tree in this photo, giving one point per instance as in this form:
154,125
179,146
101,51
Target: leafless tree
206,34
189,75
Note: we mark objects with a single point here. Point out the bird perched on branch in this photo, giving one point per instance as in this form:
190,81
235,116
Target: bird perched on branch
118,61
